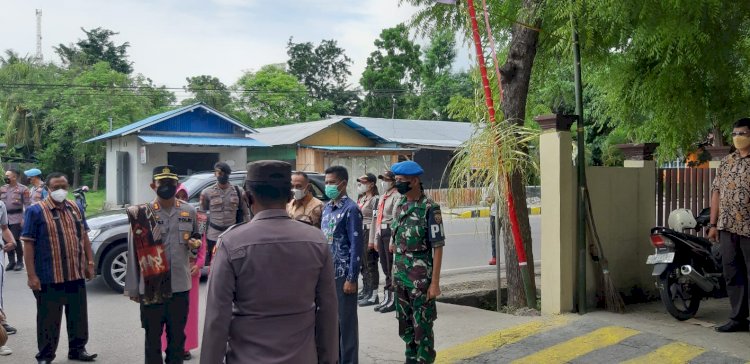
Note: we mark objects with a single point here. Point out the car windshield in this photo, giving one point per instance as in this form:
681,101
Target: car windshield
194,184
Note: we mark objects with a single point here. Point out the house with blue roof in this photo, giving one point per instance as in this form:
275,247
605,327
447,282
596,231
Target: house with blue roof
191,138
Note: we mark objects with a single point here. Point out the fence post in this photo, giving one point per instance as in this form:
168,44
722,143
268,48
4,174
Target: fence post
558,217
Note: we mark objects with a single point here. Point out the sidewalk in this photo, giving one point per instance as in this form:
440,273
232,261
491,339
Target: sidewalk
480,211
644,334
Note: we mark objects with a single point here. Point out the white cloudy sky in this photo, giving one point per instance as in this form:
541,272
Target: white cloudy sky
173,39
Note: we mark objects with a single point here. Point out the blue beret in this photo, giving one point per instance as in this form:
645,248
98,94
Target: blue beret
407,168
33,172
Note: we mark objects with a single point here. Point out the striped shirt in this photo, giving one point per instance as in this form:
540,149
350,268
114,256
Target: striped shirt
57,235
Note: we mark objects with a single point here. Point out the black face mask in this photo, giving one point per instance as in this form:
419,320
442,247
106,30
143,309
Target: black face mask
166,192
7,180
402,186
223,179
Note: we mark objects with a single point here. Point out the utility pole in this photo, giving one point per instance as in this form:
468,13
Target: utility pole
393,112
110,123
39,56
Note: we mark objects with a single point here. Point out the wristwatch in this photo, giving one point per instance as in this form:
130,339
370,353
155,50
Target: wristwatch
711,225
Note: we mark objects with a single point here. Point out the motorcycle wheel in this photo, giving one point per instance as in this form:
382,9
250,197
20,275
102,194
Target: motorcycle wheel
680,297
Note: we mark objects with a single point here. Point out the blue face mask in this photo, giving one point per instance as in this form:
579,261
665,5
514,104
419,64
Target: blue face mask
332,191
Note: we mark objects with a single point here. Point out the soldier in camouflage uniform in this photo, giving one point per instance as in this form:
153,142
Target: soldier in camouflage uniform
418,240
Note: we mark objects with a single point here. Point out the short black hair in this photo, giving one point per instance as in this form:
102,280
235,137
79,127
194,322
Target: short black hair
300,173
224,167
341,173
269,194
742,123
56,175
15,172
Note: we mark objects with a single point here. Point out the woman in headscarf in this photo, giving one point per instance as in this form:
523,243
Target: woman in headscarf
191,328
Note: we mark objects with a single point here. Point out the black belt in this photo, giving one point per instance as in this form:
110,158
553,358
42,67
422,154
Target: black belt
16,211
217,227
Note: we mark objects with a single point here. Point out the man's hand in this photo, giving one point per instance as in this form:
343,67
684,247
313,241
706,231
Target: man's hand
9,247
194,269
34,283
350,287
90,274
371,246
391,248
433,292
713,235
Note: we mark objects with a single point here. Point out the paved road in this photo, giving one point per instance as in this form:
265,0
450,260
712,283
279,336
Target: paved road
117,336
468,242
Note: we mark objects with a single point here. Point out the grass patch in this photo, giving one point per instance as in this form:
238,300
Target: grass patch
95,200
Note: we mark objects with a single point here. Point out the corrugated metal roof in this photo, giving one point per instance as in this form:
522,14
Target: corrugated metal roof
154,119
207,141
294,133
347,149
449,134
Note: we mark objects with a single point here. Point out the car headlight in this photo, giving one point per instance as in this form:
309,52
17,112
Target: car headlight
94,233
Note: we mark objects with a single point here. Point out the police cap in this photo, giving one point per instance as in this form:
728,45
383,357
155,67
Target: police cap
271,172
165,172
387,175
407,168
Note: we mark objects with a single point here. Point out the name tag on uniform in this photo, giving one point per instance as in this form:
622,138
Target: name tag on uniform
184,219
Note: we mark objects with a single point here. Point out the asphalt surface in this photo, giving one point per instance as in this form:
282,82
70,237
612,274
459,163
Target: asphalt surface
116,335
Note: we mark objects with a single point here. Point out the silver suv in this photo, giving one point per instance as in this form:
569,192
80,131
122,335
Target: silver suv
109,230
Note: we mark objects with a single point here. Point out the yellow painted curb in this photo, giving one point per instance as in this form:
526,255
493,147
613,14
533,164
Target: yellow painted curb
485,212
535,210
671,353
497,339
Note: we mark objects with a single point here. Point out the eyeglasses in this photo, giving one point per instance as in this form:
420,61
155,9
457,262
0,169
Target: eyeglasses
740,133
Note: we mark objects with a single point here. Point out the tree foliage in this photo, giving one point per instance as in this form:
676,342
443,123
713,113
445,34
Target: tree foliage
271,96
96,47
324,69
210,91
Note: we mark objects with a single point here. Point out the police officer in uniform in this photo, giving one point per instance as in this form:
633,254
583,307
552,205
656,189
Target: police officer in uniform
418,239
271,294
16,197
226,205
163,237
38,189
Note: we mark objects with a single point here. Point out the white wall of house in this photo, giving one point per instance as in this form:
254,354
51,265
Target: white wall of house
141,173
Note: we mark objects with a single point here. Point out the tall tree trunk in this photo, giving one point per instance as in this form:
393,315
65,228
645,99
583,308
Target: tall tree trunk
95,182
76,175
516,75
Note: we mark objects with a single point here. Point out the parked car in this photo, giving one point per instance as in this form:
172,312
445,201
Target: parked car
109,230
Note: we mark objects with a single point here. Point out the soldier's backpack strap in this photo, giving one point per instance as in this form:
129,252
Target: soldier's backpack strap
238,218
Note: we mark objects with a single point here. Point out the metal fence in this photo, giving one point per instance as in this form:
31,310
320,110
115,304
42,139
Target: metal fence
688,188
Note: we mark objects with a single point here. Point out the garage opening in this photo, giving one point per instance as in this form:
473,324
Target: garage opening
189,163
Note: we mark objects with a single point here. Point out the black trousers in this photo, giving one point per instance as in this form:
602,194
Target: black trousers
171,315
210,244
369,267
386,257
16,229
735,257
50,301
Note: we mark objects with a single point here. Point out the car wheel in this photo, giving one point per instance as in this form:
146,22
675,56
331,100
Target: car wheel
114,267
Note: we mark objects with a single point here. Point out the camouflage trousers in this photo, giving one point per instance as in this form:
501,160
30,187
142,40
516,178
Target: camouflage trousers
415,315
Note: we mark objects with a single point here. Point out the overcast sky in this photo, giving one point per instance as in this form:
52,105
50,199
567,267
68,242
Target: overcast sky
174,39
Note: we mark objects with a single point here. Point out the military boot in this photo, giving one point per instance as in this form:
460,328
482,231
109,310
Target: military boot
386,297
390,306
372,300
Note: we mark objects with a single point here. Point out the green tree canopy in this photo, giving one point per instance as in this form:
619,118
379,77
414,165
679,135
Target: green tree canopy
96,47
210,91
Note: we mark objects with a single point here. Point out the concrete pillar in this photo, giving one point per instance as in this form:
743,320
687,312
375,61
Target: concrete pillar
559,213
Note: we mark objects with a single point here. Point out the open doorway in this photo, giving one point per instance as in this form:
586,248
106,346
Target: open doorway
189,163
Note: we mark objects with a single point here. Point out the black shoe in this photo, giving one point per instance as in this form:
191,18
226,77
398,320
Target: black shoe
733,326
19,267
187,356
363,293
386,297
389,306
10,266
82,356
370,301
44,361
10,330
364,298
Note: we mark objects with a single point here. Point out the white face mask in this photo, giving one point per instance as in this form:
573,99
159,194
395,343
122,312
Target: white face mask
361,188
59,195
386,185
298,194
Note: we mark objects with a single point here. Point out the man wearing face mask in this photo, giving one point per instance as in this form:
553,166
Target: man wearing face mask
16,197
304,206
730,224
368,202
418,239
163,237
59,259
226,205
38,190
342,226
381,235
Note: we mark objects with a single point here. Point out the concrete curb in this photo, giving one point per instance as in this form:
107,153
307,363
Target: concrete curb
485,212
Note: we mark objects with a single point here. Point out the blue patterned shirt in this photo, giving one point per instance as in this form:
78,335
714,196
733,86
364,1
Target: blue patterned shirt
342,226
